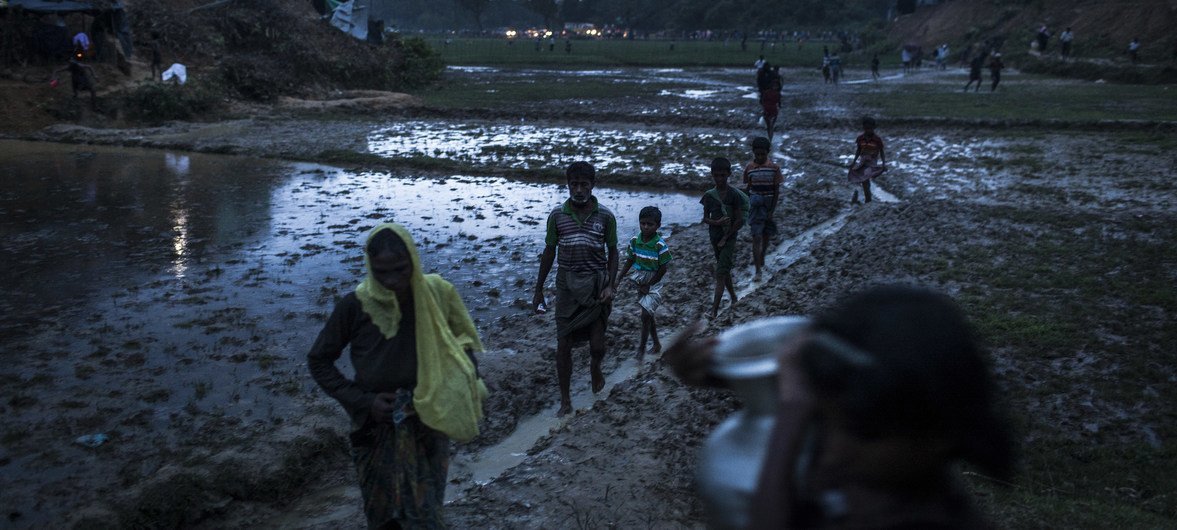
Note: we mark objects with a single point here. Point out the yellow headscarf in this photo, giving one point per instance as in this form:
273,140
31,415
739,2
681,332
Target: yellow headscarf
449,394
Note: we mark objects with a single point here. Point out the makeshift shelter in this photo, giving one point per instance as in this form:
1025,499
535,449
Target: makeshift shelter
362,19
25,18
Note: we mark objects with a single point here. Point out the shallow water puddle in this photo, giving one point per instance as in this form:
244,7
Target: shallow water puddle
176,291
525,146
491,462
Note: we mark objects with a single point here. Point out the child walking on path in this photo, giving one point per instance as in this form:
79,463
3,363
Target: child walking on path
762,182
649,256
770,100
870,160
724,210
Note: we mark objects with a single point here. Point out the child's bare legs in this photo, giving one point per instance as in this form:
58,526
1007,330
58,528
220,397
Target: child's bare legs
654,335
770,123
564,374
758,247
597,354
718,294
721,281
646,321
866,190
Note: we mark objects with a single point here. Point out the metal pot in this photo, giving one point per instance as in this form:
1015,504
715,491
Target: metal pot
730,463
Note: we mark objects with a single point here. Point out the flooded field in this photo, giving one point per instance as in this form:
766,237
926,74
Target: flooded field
151,292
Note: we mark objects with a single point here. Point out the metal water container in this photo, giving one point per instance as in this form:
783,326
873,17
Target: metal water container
731,460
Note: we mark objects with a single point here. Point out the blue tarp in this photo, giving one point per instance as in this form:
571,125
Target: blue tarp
63,6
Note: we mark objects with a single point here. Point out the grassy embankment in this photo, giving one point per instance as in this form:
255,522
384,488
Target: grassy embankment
1080,307
1023,99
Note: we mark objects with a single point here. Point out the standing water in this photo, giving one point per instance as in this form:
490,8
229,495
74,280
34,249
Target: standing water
159,295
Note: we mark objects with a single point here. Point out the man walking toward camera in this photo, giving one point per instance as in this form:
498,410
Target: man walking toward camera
583,235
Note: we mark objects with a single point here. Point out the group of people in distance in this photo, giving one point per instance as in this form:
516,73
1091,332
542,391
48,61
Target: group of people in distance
995,67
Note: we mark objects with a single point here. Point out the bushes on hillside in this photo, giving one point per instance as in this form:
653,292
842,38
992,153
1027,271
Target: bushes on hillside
265,48
159,102
1093,70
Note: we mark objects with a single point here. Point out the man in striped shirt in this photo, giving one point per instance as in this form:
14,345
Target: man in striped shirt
583,235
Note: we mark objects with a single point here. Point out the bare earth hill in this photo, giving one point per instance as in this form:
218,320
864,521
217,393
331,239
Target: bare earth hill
1102,28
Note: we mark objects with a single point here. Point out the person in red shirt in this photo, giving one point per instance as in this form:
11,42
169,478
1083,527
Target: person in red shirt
870,159
771,101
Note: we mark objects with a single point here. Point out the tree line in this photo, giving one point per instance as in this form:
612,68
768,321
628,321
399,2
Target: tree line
749,16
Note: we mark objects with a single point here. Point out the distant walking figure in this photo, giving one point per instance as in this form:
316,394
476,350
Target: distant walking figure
975,72
1065,39
1134,50
156,56
82,77
995,66
870,160
1043,38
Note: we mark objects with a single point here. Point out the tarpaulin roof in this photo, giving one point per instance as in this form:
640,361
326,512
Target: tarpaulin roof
64,6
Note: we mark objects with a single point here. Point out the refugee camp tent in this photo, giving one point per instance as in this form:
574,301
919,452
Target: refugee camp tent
362,19
54,40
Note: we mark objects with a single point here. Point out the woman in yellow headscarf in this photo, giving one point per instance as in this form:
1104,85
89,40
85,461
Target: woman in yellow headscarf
416,383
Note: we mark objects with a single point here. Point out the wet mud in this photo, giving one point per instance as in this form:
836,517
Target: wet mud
163,293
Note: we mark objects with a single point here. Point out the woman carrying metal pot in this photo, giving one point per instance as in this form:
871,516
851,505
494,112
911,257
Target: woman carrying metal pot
879,399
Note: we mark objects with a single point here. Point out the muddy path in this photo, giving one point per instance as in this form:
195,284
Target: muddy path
256,445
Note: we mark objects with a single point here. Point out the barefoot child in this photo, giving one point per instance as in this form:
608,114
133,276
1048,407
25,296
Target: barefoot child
724,210
770,101
866,164
648,254
762,182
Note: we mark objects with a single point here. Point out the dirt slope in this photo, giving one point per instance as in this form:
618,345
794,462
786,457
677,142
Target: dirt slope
1101,28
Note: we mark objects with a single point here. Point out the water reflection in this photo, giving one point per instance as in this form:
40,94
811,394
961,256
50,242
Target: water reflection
176,294
525,146
95,217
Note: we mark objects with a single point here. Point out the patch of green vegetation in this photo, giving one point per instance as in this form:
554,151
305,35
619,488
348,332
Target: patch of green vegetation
1081,300
598,53
83,371
1091,70
1024,102
155,396
1075,485
159,102
201,389
266,360
14,436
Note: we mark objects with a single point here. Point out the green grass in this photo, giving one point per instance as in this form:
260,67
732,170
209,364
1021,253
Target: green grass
1025,101
1079,306
1070,485
598,53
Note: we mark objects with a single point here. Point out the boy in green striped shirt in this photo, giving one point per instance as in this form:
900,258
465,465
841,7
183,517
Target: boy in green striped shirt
648,254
